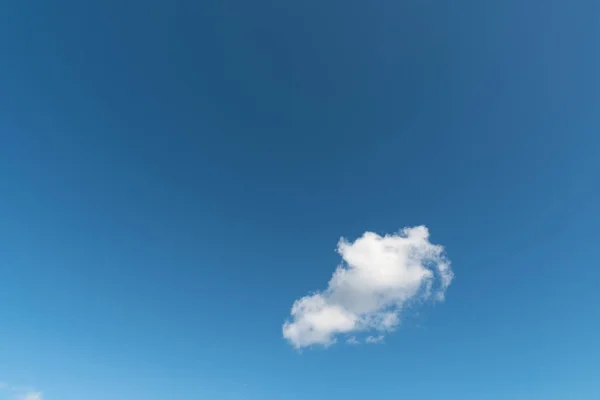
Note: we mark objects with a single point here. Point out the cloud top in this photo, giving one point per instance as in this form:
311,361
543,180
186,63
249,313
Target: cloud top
378,276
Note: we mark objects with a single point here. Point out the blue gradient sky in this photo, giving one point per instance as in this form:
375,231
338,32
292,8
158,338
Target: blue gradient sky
173,175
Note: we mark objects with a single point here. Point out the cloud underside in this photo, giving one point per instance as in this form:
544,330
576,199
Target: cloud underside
379,276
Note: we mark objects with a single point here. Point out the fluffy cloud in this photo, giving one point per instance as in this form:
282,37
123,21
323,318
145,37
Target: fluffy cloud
374,339
20,393
352,340
32,396
379,276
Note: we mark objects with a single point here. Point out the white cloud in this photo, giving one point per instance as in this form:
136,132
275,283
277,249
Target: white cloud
352,340
379,276
21,393
374,339
32,396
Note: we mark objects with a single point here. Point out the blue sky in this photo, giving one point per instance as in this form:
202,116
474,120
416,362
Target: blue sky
173,177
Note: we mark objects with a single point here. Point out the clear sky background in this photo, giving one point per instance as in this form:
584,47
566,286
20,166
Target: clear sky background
174,174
